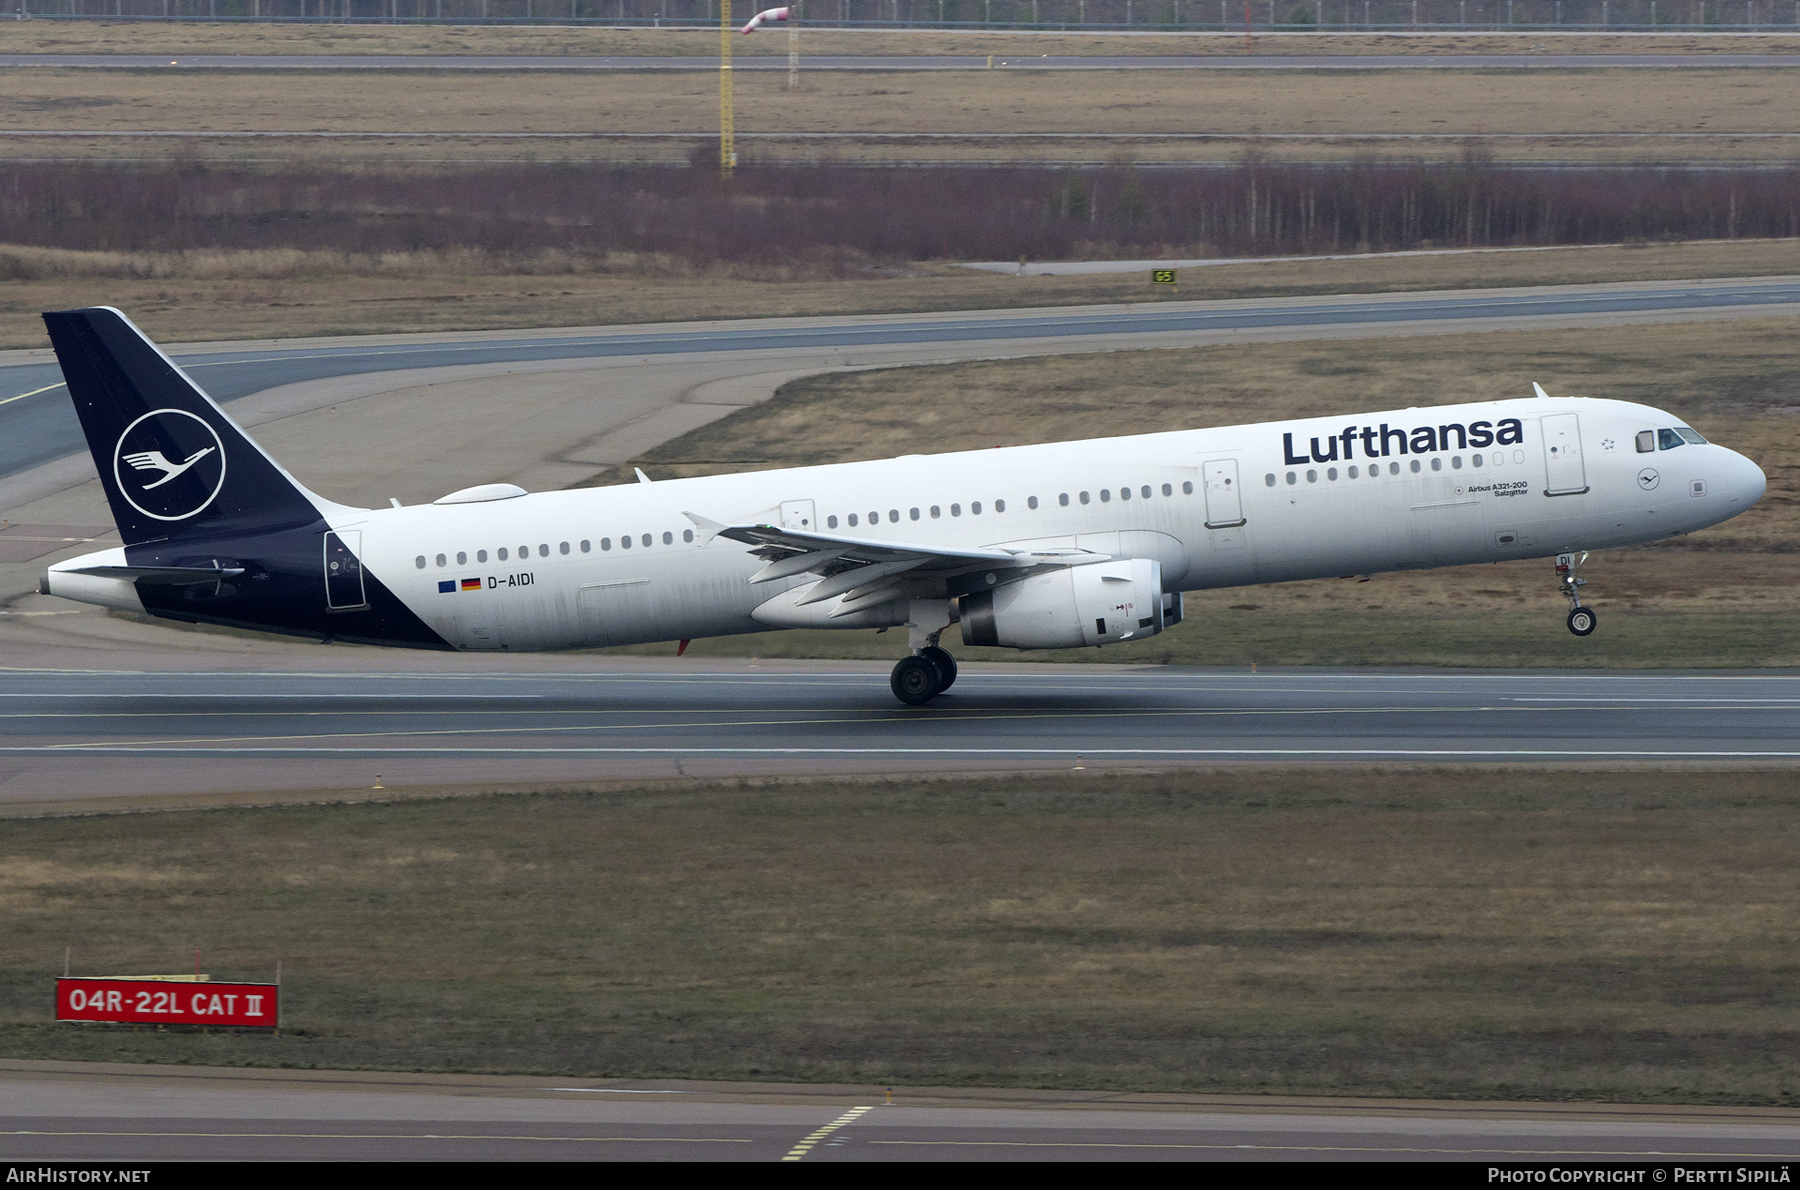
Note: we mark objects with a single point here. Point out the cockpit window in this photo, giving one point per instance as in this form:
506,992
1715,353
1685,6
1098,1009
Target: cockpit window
1690,435
1646,442
1668,439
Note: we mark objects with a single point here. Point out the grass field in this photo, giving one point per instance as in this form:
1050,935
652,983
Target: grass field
1596,106
147,37
1721,597
185,297
1528,934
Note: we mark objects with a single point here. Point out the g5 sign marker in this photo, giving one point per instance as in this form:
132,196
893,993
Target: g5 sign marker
169,464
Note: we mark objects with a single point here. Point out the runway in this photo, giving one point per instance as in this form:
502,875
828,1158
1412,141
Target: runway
898,62
74,1111
68,736
37,423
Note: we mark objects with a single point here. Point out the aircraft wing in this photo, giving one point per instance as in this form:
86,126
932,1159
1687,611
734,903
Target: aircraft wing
865,571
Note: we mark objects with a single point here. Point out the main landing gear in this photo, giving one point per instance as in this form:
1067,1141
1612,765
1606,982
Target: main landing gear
1582,620
923,676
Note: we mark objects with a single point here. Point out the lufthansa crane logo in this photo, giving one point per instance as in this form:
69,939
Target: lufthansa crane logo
169,464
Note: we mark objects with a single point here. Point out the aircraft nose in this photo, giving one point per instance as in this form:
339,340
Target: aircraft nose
1746,483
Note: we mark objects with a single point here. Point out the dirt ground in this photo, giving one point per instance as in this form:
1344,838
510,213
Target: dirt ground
1577,115
104,37
253,295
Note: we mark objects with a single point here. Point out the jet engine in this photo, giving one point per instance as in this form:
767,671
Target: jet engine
1098,604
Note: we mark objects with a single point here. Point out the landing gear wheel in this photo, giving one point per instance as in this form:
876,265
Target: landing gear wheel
915,681
946,665
1582,621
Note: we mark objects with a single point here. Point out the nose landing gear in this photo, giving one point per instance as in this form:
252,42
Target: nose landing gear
1582,620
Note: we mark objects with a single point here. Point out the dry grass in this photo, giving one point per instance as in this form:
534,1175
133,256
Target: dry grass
1724,596
1622,936
103,37
181,297
1595,103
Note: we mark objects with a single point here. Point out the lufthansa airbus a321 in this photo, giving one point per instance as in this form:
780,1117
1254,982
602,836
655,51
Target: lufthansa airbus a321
1030,547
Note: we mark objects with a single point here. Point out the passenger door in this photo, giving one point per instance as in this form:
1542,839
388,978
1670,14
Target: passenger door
343,572
1565,474
1224,500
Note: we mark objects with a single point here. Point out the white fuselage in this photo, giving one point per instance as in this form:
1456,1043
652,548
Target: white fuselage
1236,511
1215,507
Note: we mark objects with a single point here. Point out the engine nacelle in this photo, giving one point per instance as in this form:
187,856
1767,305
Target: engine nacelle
1099,604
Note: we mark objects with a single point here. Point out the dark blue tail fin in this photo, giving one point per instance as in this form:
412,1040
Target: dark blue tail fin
171,461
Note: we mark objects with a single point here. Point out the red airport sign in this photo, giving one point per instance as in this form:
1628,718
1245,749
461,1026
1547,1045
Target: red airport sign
167,1002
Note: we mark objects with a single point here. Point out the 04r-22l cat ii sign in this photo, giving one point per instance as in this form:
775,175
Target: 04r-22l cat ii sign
1030,547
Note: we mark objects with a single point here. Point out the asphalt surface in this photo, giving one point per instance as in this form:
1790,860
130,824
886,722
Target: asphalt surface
67,1111
908,63
37,422
69,735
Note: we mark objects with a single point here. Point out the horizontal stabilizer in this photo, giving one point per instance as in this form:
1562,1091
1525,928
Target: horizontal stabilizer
167,575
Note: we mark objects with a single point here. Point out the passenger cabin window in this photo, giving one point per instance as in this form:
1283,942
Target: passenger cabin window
440,560
1646,442
420,561
1269,479
1105,496
587,547
462,559
1084,497
893,516
624,541
974,508
913,513
1187,489
853,520
1169,491
936,513
564,547
646,539
687,535
955,510
605,544
481,555
831,522
1063,499
668,538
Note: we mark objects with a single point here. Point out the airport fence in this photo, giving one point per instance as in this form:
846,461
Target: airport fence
1142,16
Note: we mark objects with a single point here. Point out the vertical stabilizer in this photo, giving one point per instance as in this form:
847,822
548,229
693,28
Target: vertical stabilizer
173,464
